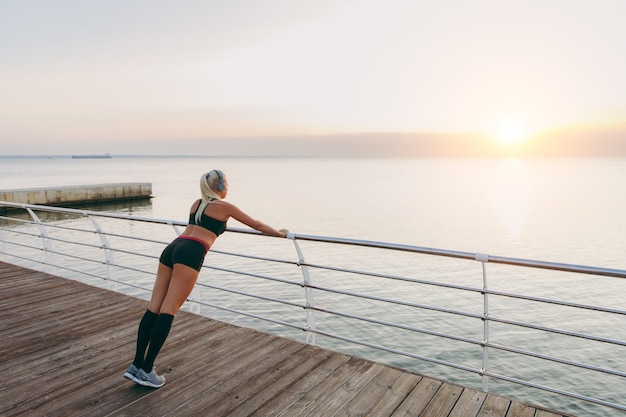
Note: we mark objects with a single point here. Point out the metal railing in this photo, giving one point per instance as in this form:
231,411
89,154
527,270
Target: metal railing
517,324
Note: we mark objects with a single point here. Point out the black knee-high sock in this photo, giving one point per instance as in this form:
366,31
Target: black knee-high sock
143,336
159,333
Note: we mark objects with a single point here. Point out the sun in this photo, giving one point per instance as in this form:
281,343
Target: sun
511,132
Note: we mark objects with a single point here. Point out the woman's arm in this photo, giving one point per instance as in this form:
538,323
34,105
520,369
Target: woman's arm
242,217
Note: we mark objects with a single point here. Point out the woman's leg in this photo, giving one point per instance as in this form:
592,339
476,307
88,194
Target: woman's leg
161,286
164,275
180,286
143,337
181,283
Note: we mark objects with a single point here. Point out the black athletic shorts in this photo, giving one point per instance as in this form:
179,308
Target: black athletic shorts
186,251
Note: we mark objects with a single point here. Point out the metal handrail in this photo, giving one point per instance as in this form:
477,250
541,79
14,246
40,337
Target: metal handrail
21,238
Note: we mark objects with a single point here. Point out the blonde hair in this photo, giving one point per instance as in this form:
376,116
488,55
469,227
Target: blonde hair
209,182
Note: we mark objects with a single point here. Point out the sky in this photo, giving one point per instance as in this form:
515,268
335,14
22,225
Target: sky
250,76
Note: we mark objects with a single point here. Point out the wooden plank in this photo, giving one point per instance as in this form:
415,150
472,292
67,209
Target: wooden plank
307,402
67,344
443,402
494,406
371,393
347,391
518,409
279,380
57,327
19,368
120,396
241,383
395,395
281,405
59,378
419,398
281,365
469,403
225,379
82,399
193,385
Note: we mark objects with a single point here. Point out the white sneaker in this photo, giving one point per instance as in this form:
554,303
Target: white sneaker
149,379
131,372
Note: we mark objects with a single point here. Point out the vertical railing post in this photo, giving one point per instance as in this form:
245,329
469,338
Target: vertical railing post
483,259
308,293
108,253
47,245
176,229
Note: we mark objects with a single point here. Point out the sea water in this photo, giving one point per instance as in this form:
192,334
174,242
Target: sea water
560,210
564,210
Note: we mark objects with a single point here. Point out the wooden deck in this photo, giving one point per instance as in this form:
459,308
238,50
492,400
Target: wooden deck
65,346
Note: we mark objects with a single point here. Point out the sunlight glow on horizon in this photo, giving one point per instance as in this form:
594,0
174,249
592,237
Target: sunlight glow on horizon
511,132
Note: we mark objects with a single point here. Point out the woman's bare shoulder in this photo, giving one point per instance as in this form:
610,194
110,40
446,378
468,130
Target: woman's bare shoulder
194,205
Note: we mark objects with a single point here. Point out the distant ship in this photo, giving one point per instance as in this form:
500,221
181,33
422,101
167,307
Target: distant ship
91,156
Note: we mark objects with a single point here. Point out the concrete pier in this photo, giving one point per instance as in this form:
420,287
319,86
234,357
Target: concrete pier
79,194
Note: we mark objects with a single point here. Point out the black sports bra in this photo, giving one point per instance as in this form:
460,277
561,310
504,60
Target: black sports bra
216,226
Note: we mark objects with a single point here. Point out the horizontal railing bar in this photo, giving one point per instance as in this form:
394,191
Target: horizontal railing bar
250,274
557,360
102,278
260,297
104,262
78,271
60,227
493,319
68,255
617,273
498,293
22,245
99,232
55,239
73,242
21,232
556,266
129,268
527,325
398,352
393,277
397,302
464,288
472,370
63,254
258,258
20,257
15,220
557,331
557,302
244,313
141,239
470,341
396,325
109,234
127,252
364,243
81,212
475,257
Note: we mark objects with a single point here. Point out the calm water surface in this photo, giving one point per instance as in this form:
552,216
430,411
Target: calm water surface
562,210
566,210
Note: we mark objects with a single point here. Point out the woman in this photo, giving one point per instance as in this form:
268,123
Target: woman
179,266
